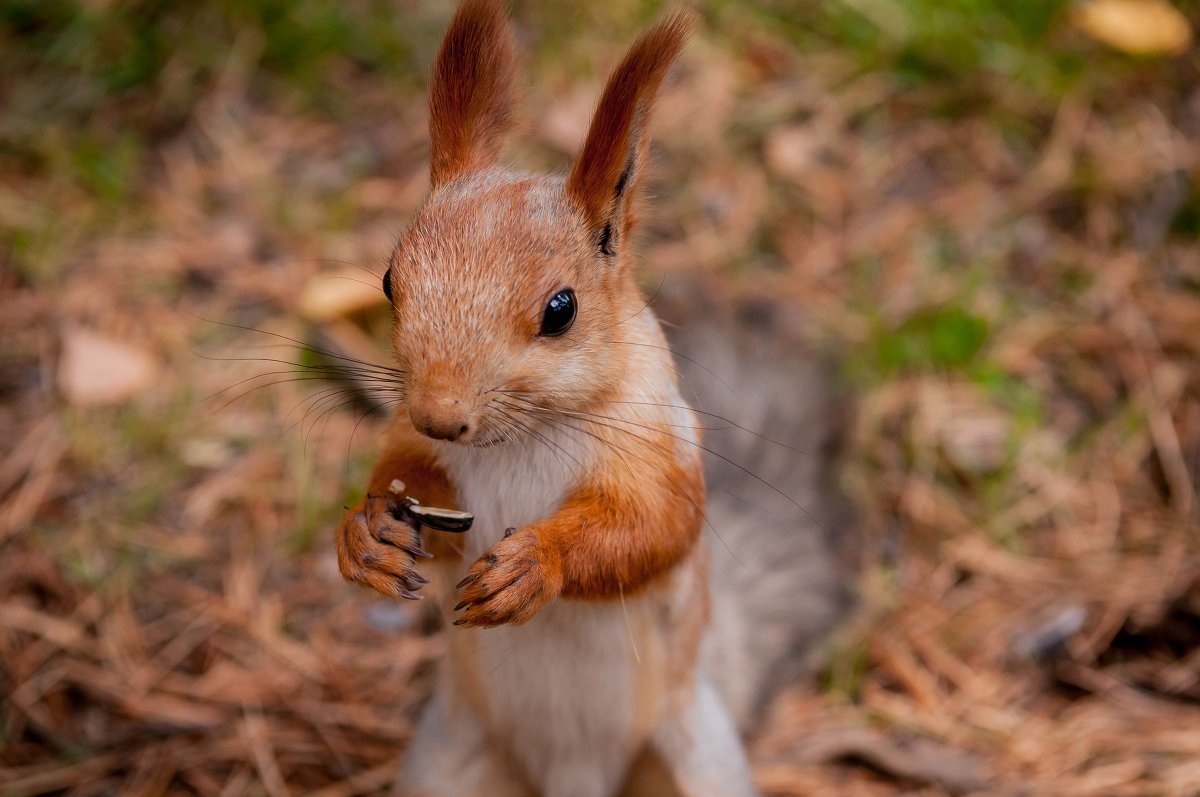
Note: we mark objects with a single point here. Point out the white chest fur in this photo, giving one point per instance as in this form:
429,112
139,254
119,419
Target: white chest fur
514,485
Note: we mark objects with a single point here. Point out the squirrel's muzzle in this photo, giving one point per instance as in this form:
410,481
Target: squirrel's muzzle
440,417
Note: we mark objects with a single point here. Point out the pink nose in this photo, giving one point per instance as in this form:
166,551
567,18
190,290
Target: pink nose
441,419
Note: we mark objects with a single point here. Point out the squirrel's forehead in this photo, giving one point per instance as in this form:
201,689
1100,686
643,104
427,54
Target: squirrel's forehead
492,213
508,266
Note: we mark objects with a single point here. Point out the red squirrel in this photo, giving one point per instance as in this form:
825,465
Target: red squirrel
539,394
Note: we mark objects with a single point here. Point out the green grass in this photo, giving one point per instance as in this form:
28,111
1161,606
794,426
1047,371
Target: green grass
931,41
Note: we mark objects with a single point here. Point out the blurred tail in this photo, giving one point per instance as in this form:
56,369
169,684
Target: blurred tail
782,566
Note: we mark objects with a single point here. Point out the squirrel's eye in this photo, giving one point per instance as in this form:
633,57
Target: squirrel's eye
387,284
559,315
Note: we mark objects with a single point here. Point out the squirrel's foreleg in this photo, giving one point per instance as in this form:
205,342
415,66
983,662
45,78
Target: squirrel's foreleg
601,544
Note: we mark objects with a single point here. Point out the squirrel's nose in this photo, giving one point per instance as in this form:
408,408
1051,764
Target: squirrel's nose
441,419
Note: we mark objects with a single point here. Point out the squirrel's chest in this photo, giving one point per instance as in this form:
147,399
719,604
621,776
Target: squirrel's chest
515,485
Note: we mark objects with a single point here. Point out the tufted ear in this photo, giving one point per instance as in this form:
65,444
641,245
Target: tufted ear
471,98
605,176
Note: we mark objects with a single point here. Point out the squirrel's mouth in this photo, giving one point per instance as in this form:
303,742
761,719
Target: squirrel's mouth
486,441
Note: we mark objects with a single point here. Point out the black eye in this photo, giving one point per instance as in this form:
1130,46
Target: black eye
559,315
387,284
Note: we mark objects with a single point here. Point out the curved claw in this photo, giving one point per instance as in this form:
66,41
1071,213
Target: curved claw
378,551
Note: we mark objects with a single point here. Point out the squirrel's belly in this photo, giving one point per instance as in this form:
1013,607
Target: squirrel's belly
578,689
566,690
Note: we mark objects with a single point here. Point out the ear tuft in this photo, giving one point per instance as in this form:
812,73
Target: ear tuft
611,160
471,98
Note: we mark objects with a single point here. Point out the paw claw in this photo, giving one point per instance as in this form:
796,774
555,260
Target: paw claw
378,551
508,584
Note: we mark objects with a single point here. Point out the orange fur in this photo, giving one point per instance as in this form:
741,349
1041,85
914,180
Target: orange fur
611,161
608,540
519,240
469,282
410,457
370,543
470,103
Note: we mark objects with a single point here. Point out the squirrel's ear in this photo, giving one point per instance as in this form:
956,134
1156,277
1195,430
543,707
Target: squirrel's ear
471,98
609,166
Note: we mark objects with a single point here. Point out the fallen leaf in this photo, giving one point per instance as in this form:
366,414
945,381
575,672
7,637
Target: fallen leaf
1140,27
331,296
205,452
95,370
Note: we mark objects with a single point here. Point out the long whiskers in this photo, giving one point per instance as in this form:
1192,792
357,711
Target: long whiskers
680,356
515,415
307,347
376,386
614,424
664,405
633,457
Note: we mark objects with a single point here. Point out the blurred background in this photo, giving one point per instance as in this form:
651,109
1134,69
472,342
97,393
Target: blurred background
986,211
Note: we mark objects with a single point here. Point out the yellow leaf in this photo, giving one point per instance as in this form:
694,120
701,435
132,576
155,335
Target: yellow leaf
327,297
1140,27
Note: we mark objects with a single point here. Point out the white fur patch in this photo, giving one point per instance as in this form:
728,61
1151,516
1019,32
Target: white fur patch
515,484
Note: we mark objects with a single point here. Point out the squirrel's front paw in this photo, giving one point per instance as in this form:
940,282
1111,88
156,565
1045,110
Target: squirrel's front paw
509,583
377,550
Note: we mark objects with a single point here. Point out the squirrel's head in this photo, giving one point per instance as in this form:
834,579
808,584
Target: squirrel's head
507,288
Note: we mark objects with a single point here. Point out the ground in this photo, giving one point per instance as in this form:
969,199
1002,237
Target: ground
987,210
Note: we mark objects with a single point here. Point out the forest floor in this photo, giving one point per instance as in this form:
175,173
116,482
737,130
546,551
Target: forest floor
989,218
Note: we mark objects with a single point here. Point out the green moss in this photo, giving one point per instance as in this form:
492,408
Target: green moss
940,338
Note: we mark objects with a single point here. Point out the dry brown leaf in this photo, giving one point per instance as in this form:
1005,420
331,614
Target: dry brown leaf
971,433
95,370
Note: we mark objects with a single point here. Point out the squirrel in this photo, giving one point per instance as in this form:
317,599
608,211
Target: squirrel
539,394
